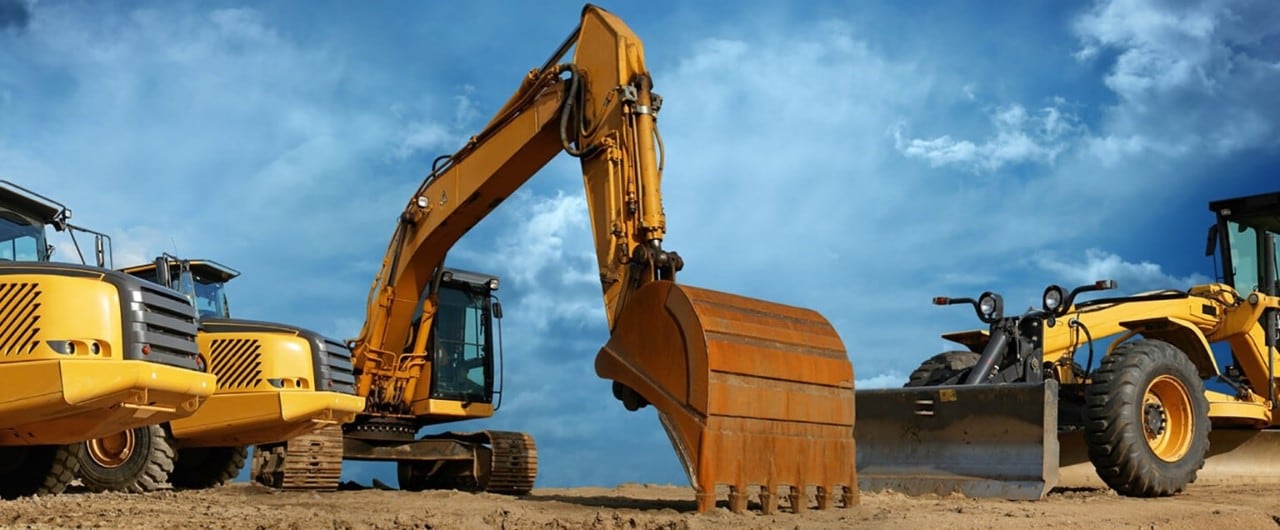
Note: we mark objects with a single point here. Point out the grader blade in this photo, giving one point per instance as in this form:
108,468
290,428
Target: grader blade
751,393
1235,455
980,440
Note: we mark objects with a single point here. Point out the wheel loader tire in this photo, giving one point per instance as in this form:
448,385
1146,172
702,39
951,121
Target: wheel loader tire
207,467
1147,419
941,367
37,469
140,460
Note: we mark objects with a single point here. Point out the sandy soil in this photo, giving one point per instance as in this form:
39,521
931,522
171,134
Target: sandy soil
628,506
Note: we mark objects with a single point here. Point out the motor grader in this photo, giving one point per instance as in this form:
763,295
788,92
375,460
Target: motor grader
754,395
85,351
274,382
1142,393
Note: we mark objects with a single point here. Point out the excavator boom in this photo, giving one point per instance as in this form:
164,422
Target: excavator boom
752,393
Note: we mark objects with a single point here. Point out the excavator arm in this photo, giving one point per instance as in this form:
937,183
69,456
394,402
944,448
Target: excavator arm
752,393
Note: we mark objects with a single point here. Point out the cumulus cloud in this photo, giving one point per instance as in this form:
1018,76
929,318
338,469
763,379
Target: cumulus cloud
1130,277
1189,76
1021,136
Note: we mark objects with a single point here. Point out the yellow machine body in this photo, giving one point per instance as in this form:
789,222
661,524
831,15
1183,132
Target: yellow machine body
753,394
268,386
1125,390
267,390
88,386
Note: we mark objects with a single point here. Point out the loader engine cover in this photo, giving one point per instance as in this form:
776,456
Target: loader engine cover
751,393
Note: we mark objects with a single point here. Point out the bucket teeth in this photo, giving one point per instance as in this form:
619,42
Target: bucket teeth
751,393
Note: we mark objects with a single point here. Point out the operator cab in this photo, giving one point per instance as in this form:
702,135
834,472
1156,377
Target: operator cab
462,338
1248,233
23,216
202,281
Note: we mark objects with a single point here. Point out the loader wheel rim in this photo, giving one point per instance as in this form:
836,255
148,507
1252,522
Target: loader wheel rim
112,451
1167,420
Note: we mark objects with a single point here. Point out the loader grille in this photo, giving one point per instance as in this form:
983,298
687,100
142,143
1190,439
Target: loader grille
160,319
237,363
334,370
19,314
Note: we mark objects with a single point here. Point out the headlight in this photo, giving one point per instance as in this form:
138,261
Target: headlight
492,284
988,305
1053,296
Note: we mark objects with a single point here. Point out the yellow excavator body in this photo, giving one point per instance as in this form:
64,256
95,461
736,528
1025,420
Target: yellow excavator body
753,394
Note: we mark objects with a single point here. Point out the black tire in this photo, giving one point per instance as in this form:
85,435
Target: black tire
36,469
207,467
941,367
145,467
1147,419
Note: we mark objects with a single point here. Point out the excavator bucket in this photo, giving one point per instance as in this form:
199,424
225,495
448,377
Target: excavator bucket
751,393
977,440
1235,455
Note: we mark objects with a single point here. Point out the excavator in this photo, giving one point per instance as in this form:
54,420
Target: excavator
85,351
755,396
274,382
1124,392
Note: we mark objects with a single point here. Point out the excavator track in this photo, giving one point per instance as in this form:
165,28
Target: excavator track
308,462
514,464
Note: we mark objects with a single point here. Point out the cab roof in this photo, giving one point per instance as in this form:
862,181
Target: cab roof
27,202
204,268
1262,210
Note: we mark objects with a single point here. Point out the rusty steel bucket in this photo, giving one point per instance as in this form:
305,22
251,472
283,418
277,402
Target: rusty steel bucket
751,393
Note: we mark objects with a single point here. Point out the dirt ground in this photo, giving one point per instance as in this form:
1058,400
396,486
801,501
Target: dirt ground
630,506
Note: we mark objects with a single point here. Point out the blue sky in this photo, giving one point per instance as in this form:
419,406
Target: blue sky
857,158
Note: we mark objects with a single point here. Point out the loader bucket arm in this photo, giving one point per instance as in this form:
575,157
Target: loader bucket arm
751,393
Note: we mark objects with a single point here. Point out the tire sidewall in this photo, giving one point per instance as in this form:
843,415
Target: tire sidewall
1185,373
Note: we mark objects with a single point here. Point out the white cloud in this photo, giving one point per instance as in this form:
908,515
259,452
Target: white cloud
1020,137
890,379
1189,76
1130,277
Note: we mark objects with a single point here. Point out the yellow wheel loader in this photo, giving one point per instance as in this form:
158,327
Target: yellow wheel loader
274,382
85,351
1124,392
755,396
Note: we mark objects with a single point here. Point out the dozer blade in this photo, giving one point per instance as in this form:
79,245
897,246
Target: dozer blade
750,392
980,440
1235,456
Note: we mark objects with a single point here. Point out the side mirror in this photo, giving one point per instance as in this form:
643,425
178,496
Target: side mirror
497,310
100,251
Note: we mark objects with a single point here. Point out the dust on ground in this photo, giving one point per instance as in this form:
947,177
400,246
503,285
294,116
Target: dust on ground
629,506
